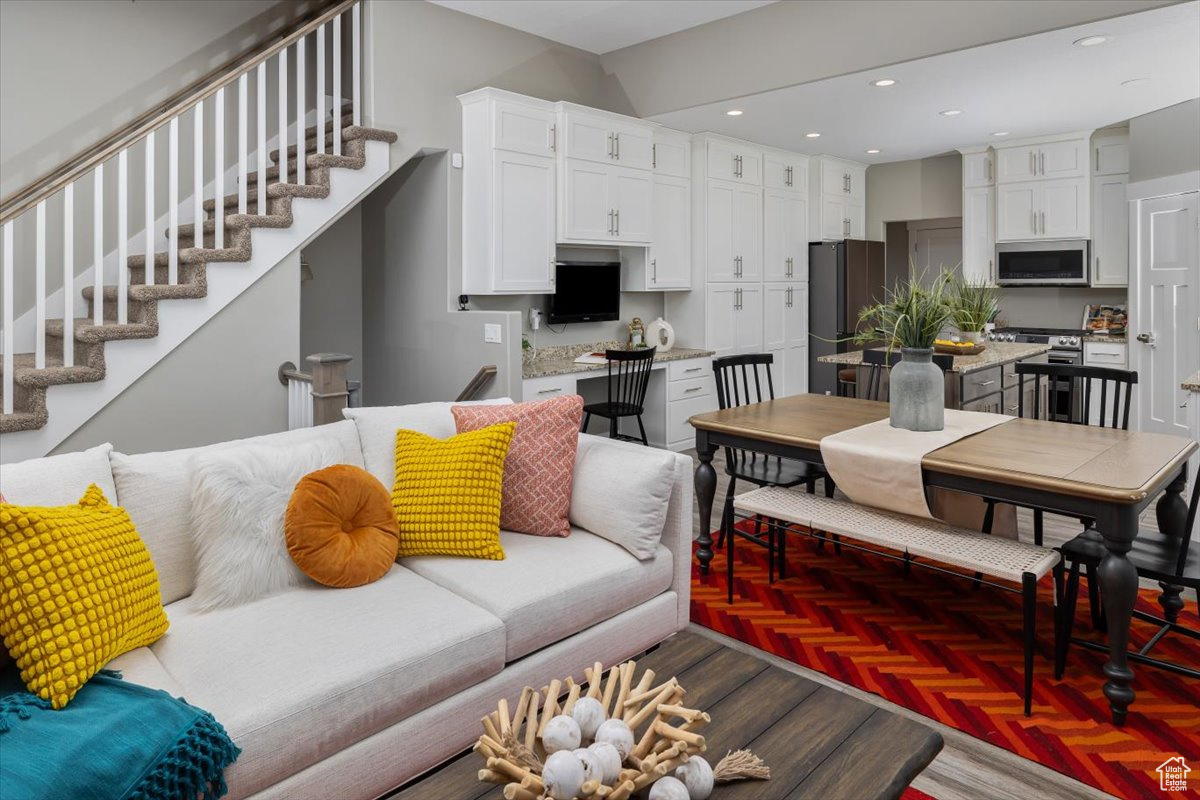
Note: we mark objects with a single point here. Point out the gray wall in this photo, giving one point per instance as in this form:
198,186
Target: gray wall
1165,142
213,387
1052,307
331,304
902,191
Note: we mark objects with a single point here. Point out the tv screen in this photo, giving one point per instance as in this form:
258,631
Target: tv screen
586,291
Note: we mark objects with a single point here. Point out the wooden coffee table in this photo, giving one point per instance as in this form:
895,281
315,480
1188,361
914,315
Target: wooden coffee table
818,742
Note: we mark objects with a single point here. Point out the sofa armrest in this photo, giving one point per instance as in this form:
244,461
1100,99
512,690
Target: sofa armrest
677,528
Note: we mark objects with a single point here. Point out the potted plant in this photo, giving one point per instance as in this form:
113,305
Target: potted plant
974,304
910,317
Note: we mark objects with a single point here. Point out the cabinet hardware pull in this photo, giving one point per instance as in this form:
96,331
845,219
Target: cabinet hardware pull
1043,215
693,369
550,391
618,221
654,270
734,167
610,222
654,156
610,145
1032,163
987,383
1097,159
693,389
617,142
1042,162
553,137
1033,215
988,161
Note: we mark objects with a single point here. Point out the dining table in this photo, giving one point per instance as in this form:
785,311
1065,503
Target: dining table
1106,475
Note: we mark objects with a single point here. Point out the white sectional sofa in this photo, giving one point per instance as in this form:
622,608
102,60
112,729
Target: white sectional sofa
349,693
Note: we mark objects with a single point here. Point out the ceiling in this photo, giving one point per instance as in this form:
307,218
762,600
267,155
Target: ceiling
601,26
1030,86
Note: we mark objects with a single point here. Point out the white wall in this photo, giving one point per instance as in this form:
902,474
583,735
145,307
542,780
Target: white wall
331,304
1052,306
902,191
1165,142
220,384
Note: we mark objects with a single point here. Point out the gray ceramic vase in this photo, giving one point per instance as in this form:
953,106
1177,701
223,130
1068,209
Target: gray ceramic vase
917,389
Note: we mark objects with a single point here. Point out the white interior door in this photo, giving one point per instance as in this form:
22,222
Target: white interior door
1166,322
935,248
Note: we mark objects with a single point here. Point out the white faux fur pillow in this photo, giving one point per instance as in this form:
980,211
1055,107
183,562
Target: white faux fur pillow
239,497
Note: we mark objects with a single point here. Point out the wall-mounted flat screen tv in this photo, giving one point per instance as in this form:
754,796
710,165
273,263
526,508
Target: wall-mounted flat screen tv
586,291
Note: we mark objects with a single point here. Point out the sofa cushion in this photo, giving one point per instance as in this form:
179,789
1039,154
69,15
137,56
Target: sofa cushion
311,671
377,428
642,478
155,488
58,480
548,588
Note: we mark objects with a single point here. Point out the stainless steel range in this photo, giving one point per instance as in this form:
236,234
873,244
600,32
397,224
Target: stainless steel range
1066,347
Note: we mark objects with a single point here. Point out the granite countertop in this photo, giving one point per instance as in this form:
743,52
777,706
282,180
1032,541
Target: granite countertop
1192,384
995,354
560,360
1105,337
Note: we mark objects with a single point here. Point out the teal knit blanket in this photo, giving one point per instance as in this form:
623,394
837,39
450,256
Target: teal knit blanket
114,741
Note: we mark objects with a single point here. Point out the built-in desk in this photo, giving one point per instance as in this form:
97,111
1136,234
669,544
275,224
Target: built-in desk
681,385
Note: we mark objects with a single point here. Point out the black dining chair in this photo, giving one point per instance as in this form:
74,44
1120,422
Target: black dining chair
628,378
1170,560
879,361
742,380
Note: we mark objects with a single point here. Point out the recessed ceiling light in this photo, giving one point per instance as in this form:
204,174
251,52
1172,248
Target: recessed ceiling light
812,135
733,112
950,112
873,151
1134,81
1000,133
883,82
1090,41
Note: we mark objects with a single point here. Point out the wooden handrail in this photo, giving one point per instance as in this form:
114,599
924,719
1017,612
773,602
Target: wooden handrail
476,383
199,90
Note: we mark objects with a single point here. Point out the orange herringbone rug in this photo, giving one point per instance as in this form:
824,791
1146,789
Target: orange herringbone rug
933,644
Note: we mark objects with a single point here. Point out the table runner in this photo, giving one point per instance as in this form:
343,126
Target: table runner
878,465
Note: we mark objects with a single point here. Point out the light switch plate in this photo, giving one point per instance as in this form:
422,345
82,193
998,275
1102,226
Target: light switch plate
456,160
492,333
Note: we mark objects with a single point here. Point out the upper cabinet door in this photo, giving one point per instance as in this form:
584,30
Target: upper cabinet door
633,145
835,178
786,171
1016,212
718,231
747,322
587,137
979,238
795,237
833,217
732,161
977,170
671,249
672,153
1110,155
1064,209
856,179
856,219
1067,159
524,222
630,192
523,129
775,247
1110,231
748,231
587,208
1016,163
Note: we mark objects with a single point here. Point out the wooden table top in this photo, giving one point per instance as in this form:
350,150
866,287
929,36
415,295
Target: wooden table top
1084,461
818,742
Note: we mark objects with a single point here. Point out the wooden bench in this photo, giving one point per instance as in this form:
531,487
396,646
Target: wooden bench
917,540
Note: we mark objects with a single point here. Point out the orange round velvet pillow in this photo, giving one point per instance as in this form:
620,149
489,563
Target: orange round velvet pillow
341,528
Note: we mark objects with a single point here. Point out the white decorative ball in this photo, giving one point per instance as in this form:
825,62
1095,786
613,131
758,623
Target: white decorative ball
618,734
697,776
563,775
589,714
668,788
593,770
610,761
561,733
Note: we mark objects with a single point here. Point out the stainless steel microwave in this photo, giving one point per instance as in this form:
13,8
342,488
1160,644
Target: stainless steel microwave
1051,262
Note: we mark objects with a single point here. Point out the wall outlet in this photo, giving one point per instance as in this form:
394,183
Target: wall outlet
492,333
456,160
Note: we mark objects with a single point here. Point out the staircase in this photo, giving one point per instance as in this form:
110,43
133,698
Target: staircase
197,267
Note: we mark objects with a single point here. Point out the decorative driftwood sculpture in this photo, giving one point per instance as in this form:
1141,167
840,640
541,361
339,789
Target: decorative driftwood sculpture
617,738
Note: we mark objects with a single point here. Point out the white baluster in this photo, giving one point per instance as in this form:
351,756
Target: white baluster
356,64
301,104
321,88
68,275
173,201
198,175
149,276
337,85
98,245
243,84
7,320
282,138
123,237
39,286
219,170
260,119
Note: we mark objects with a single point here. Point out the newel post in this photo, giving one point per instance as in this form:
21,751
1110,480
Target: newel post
329,391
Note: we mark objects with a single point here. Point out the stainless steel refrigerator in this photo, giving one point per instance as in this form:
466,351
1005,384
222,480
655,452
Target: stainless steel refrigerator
843,278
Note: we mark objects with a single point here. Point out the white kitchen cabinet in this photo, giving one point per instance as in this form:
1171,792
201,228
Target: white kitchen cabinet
1016,163
1044,159
785,333
509,179
731,160
667,263
1110,154
856,219
672,153
785,236
1043,210
838,198
632,198
733,232
1110,231
979,235
734,315
604,204
978,168
783,170
592,135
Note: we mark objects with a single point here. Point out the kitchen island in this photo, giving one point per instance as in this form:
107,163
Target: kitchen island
983,382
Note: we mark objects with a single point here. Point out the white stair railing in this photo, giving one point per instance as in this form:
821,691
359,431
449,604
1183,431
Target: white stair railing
102,215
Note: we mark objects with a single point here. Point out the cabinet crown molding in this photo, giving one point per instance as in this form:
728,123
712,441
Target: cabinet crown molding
492,93
1057,137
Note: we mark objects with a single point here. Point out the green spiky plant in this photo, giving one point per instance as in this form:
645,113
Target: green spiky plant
910,315
974,304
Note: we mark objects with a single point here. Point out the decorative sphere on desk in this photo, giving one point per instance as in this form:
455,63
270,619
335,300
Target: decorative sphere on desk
562,775
668,788
697,776
561,733
589,714
618,734
609,758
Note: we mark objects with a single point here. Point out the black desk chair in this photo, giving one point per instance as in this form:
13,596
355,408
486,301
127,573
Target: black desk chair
742,380
626,391
1171,560
876,361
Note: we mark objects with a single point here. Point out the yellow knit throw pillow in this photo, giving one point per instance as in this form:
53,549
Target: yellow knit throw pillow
77,589
447,492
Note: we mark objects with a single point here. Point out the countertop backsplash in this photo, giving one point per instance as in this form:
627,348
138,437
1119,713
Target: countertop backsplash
1052,306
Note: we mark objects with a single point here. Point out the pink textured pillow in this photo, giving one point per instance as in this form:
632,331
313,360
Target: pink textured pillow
540,464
